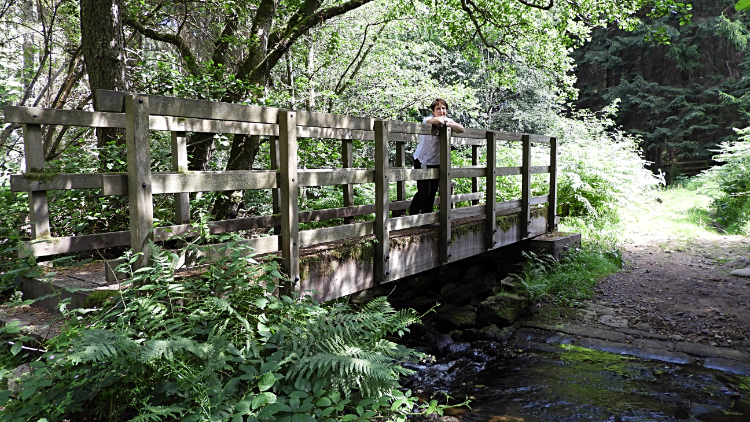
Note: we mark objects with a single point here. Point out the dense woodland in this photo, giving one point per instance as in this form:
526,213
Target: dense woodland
631,89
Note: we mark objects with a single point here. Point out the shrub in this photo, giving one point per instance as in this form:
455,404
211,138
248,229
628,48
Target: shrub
220,346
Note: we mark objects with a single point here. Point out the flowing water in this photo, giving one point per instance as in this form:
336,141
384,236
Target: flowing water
579,384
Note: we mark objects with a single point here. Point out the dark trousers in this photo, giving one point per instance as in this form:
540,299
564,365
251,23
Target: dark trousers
426,191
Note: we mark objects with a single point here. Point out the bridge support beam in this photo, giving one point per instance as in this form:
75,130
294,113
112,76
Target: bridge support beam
140,197
289,184
382,241
444,235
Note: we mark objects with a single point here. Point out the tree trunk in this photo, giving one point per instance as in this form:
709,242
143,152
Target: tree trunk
241,157
103,53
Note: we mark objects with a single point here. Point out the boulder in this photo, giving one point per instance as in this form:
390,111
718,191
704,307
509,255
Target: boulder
456,318
502,310
742,272
494,333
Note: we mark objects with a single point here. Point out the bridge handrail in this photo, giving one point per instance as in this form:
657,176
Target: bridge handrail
146,113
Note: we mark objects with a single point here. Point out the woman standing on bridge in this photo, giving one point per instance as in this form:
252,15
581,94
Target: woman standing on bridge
427,155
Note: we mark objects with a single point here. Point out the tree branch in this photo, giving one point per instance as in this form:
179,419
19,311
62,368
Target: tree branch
536,6
174,39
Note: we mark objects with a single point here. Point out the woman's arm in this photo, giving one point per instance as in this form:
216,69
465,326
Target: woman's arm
446,121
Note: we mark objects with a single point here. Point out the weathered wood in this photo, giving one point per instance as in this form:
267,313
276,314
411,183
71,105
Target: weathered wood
466,212
382,245
332,234
507,205
327,177
412,174
181,124
180,164
409,221
400,184
475,162
536,200
490,192
347,161
213,253
444,234
58,245
552,208
52,116
538,169
200,109
507,171
327,120
276,192
140,199
525,186
30,182
288,182
197,181
458,140
332,133
38,206
465,172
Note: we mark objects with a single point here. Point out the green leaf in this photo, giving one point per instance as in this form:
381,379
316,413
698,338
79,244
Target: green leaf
323,402
28,392
742,5
302,384
261,302
16,348
349,417
4,396
266,381
12,327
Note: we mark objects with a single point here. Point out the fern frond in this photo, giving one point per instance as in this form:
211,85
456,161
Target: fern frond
99,345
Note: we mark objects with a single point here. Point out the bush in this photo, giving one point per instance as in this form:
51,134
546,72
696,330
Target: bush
729,184
220,346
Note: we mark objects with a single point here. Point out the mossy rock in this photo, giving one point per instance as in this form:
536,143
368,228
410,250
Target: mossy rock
503,310
458,318
98,298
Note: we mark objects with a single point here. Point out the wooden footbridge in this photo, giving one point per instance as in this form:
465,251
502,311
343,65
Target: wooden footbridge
334,261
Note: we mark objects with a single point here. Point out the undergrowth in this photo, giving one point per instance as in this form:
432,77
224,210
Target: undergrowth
571,279
224,345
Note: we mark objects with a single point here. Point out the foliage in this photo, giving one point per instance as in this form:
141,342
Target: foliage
219,346
571,279
729,184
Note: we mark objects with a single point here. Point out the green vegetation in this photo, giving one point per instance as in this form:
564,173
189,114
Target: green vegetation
219,346
571,279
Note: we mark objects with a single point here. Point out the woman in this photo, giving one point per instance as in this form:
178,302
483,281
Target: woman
427,155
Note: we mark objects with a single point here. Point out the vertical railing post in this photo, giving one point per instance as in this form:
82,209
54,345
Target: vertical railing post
38,206
382,242
444,236
525,188
490,228
275,192
180,164
140,198
347,162
401,184
475,180
552,204
288,192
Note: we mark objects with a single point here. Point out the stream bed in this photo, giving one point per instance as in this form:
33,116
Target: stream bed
571,383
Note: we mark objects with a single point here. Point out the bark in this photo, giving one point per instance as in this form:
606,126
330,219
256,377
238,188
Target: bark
242,156
103,52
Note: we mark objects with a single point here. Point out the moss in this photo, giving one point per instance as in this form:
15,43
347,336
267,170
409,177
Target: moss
464,229
98,298
609,361
507,222
326,262
41,175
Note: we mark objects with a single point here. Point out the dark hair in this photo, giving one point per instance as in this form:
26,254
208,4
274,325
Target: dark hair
438,102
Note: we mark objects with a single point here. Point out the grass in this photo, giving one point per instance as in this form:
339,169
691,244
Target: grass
570,280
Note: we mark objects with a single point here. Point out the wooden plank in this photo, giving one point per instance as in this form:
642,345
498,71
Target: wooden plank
38,205
88,242
507,136
53,116
539,169
332,234
475,163
467,141
30,182
326,120
464,172
289,192
507,171
347,161
402,137
200,109
218,251
490,192
398,126
525,187
444,234
382,245
474,134
552,208
140,199
327,177
197,181
409,221
180,164
400,184
465,197
333,133
540,139
181,124
466,212
276,192
413,174
536,200
507,205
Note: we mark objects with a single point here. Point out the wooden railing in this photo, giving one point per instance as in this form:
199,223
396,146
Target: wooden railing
141,114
